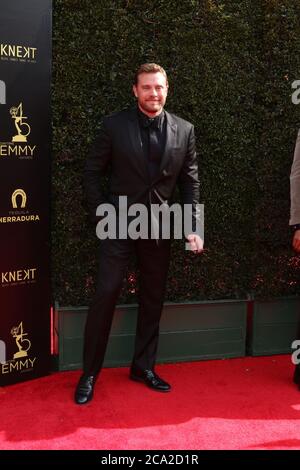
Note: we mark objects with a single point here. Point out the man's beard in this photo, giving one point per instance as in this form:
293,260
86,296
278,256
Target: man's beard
157,108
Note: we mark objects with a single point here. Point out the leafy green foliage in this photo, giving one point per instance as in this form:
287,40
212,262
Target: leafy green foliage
230,66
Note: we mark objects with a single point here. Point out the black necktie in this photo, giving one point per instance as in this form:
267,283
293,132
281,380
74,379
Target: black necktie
154,156
153,134
154,145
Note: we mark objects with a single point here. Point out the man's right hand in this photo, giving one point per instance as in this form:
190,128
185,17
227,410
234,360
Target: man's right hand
296,241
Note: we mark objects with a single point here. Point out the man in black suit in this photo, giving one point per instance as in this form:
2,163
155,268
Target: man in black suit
148,151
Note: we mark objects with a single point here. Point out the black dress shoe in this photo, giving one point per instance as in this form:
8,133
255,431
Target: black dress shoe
151,379
296,378
84,389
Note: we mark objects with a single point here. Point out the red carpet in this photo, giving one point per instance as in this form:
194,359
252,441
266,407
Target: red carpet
248,403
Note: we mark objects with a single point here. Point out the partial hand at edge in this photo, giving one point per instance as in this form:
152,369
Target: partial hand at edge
296,241
195,243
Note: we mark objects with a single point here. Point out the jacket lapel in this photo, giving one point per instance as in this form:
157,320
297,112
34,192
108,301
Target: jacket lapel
171,139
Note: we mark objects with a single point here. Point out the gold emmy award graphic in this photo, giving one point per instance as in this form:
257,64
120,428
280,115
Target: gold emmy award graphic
23,343
18,192
23,128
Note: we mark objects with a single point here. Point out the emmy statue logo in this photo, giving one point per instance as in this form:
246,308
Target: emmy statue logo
23,343
22,127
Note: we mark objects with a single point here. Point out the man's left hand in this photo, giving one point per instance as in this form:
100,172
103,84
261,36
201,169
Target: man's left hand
195,243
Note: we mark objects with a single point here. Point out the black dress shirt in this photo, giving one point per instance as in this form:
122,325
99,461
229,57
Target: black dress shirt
153,135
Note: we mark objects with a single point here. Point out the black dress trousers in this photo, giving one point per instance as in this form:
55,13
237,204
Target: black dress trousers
153,262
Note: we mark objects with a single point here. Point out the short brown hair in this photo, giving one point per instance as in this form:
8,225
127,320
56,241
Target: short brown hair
149,68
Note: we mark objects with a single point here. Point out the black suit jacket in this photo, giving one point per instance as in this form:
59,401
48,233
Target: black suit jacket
117,150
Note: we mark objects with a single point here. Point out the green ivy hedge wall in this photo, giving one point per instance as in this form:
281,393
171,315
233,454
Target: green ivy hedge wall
230,65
